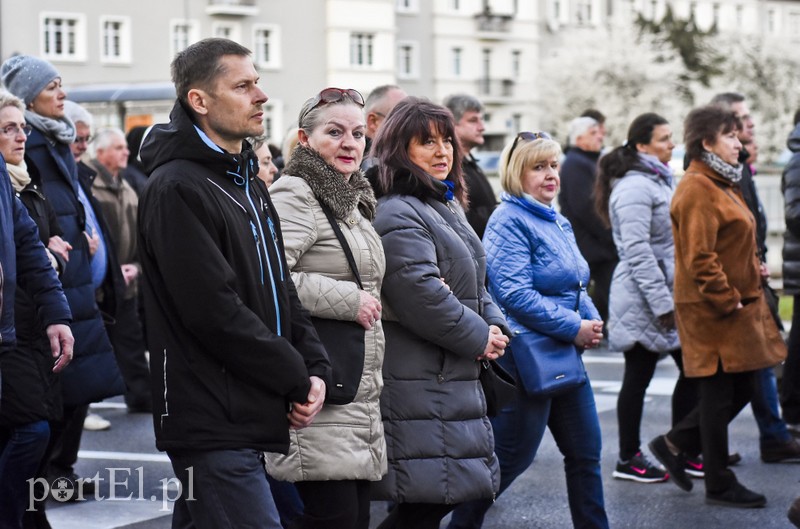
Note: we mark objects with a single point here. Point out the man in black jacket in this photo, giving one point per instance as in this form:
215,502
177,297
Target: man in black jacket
468,114
235,360
578,175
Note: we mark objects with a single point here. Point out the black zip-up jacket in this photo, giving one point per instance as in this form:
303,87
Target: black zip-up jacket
231,346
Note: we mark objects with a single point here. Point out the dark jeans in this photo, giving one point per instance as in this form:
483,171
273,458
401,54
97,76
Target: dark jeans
601,273
705,429
518,430
127,338
21,451
771,427
640,364
790,385
66,441
287,500
228,488
415,516
340,504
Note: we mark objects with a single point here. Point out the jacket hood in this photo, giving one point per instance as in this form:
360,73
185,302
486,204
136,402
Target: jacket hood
794,139
179,139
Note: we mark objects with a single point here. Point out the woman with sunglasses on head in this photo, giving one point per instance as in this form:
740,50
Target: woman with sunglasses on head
30,390
439,322
633,192
537,275
333,461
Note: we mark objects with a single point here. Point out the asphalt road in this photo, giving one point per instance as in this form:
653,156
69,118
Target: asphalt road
126,455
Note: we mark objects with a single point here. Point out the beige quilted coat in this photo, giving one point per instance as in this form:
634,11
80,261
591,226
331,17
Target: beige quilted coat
344,442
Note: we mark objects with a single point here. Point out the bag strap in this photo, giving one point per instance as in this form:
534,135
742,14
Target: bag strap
345,247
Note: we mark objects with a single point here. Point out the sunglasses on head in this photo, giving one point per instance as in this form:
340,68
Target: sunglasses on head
334,95
528,136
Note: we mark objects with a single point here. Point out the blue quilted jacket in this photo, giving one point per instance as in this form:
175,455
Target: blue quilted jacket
536,272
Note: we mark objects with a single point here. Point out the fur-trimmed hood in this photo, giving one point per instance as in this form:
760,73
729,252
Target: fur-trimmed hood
329,186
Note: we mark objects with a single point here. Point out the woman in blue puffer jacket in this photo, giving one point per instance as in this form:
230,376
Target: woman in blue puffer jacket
538,276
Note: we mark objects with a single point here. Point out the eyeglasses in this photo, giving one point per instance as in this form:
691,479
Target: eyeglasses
83,139
528,136
334,95
11,131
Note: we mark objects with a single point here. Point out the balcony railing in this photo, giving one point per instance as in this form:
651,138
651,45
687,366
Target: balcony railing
232,7
489,22
496,88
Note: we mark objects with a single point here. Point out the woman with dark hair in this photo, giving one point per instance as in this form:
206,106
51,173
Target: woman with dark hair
724,323
633,193
438,319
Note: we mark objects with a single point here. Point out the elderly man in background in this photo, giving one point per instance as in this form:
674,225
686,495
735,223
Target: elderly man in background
379,103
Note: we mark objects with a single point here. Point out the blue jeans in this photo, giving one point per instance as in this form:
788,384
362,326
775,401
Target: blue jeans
518,430
228,489
765,408
21,451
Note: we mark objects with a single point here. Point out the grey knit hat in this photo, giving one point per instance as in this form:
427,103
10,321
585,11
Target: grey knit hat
26,76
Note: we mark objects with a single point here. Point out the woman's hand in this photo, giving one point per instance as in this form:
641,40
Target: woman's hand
59,246
667,320
590,334
496,345
370,310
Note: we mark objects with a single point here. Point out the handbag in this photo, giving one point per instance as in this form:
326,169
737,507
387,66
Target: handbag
546,366
343,340
499,386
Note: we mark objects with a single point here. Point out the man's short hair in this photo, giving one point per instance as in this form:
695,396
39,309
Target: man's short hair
595,114
102,140
375,97
579,126
77,114
727,99
198,66
460,104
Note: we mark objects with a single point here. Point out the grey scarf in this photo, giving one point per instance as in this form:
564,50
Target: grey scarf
726,170
61,130
330,186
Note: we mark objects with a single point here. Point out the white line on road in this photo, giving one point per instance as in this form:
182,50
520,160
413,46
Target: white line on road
123,456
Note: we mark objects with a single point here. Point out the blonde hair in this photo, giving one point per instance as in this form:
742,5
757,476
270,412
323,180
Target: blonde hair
525,156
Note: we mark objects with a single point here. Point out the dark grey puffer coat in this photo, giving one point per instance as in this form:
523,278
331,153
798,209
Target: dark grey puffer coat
790,185
439,440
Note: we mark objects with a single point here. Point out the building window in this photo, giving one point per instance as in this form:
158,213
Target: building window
63,36
739,16
516,63
456,54
794,24
361,49
583,12
693,10
266,46
556,10
407,60
115,39
226,30
407,6
715,14
455,5
183,33
771,21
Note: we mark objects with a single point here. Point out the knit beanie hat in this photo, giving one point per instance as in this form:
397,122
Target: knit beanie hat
26,76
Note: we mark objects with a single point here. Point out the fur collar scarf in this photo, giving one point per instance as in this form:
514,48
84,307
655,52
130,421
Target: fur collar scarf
340,195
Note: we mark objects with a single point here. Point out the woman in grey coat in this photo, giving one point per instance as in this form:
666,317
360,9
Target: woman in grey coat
633,192
438,319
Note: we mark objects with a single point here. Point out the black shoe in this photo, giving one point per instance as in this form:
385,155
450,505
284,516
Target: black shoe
777,452
694,467
736,496
675,464
734,459
794,513
640,469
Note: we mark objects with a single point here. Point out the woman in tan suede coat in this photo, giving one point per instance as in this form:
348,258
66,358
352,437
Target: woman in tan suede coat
724,324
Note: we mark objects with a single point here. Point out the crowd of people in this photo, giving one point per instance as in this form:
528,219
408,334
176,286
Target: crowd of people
327,323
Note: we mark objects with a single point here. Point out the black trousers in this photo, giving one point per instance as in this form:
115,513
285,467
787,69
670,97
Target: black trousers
790,385
340,504
416,516
127,338
640,364
705,429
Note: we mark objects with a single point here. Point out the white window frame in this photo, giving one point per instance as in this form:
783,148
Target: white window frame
407,6
793,22
78,34
192,35
124,36
234,29
413,59
273,41
362,49
516,64
457,61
